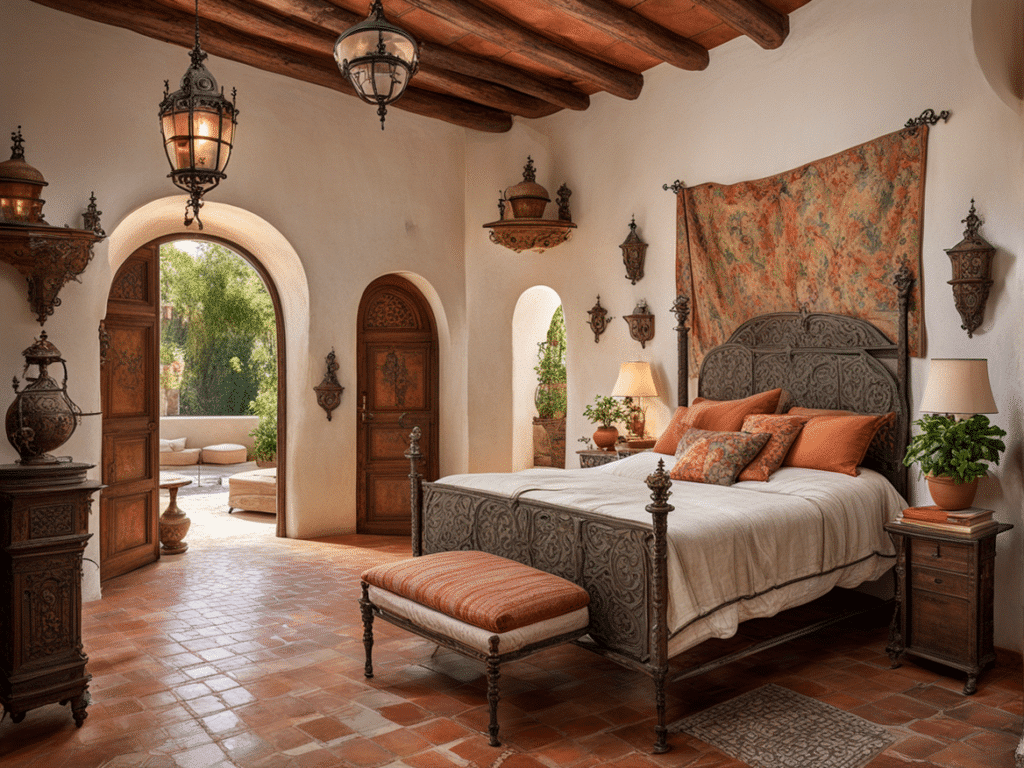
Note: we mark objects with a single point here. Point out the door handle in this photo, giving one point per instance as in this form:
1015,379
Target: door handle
364,413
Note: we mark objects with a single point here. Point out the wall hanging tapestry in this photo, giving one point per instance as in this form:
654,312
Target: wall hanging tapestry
828,237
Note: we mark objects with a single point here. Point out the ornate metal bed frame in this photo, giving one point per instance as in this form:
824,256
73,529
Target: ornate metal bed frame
822,360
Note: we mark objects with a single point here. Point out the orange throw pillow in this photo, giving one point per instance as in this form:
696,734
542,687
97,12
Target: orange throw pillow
715,415
835,443
783,430
715,457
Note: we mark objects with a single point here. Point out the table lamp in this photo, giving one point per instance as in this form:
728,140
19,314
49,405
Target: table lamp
635,380
958,386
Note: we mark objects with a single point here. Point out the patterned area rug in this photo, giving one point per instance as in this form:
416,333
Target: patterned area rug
774,727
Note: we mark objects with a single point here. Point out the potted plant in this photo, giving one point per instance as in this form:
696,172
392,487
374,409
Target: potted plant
605,410
953,454
550,396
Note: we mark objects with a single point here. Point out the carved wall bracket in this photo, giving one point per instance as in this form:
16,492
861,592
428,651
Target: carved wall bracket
634,251
526,229
928,117
598,319
641,324
972,273
328,391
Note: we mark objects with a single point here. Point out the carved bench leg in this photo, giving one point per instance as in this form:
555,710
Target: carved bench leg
493,673
78,705
366,608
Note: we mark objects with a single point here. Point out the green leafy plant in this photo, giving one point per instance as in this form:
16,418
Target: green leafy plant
550,397
605,410
960,450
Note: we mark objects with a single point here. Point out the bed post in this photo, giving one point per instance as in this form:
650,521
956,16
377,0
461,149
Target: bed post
681,308
904,281
415,491
659,482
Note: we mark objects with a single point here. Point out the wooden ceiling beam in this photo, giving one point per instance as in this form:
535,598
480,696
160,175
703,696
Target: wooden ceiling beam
336,20
639,31
761,23
501,30
171,26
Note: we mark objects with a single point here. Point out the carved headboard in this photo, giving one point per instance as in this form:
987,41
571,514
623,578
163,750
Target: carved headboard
823,361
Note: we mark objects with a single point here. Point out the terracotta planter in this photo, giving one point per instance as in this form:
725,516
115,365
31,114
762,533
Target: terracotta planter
549,442
605,437
950,495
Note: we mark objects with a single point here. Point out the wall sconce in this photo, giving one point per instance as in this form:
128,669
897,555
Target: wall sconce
972,273
47,256
634,251
598,320
328,391
641,324
527,230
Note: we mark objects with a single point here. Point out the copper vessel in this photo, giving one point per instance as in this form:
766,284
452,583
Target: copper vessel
42,417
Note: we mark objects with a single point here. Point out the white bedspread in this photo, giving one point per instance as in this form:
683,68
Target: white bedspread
737,552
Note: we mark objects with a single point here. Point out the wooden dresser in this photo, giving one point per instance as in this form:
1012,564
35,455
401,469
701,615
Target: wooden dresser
44,525
944,597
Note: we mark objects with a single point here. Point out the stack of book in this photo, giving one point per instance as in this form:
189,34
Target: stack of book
965,522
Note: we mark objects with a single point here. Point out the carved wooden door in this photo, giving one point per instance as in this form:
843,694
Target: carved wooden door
129,530
397,389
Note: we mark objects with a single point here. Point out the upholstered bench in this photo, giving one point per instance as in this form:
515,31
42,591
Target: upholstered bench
481,605
255,491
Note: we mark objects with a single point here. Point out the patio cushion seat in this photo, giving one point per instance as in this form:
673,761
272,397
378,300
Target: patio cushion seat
180,458
255,491
224,453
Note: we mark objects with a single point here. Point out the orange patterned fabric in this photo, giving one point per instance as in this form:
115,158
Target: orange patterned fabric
783,431
715,457
715,415
481,589
835,443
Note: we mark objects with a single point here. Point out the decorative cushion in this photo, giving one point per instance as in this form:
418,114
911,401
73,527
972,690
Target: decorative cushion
224,453
481,589
715,415
783,431
715,457
835,443
179,458
178,444
255,491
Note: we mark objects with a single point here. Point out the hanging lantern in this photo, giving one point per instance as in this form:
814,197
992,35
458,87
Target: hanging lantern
198,125
634,251
378,58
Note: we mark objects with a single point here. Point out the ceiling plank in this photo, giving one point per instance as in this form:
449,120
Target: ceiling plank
152,20
336,20
640,32
491,25
250,19
761,23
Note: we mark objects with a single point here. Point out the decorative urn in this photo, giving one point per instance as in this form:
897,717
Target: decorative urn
42,417
528,198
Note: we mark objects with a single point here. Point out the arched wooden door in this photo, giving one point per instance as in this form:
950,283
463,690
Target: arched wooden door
397,383
129,528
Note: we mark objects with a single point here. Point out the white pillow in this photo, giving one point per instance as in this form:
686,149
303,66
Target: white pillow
178,444
165,446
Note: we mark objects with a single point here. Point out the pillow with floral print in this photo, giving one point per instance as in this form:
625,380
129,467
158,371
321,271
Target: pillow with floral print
783,431
715,457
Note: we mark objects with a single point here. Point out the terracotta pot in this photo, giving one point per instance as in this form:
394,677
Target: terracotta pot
950,495
605,437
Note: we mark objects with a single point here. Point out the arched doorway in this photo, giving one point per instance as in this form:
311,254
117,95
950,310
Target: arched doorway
130,396
397,375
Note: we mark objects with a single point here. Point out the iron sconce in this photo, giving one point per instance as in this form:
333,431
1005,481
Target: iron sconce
972,273
598,320
328,391
641,324
634,251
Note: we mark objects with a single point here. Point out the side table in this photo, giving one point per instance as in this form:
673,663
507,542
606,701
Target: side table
174,523
596,458
44,525
944,597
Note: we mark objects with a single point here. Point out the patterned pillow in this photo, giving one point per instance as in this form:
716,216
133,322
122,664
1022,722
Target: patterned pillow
715,457
783,430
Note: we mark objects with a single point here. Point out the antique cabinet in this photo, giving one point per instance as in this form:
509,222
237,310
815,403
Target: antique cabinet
44,521
944,593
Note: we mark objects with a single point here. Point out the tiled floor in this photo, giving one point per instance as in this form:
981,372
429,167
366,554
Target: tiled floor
246,651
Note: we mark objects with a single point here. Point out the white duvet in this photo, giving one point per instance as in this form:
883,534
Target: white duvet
737,552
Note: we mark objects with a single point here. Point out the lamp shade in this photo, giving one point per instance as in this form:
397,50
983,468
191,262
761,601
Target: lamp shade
635,380
958,385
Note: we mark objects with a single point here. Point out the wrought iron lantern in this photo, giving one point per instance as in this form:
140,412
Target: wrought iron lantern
328,391
634,251
378,58
198,125
972,273
598,320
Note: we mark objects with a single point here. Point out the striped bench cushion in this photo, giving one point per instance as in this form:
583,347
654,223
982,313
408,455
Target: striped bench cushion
481,589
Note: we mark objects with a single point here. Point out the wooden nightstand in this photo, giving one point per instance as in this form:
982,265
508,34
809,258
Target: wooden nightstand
944,597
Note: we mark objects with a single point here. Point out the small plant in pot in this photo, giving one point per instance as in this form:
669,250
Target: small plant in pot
605,411
953,455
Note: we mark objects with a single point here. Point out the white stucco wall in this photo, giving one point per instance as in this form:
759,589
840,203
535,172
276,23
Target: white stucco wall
850,71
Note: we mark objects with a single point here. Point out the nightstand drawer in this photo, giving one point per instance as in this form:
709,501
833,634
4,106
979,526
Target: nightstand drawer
942,582
939,624
941,554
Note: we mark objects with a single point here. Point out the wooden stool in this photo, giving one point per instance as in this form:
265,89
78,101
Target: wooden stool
482,606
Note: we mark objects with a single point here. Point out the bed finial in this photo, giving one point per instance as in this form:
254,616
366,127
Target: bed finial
414,455
681,308
659,482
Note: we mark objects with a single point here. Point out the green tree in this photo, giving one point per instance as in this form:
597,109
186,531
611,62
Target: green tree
223,322
550,398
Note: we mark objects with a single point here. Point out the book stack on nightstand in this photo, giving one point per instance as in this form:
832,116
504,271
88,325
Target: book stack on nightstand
963,522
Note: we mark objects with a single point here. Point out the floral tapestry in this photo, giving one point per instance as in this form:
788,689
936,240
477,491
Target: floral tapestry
828,237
